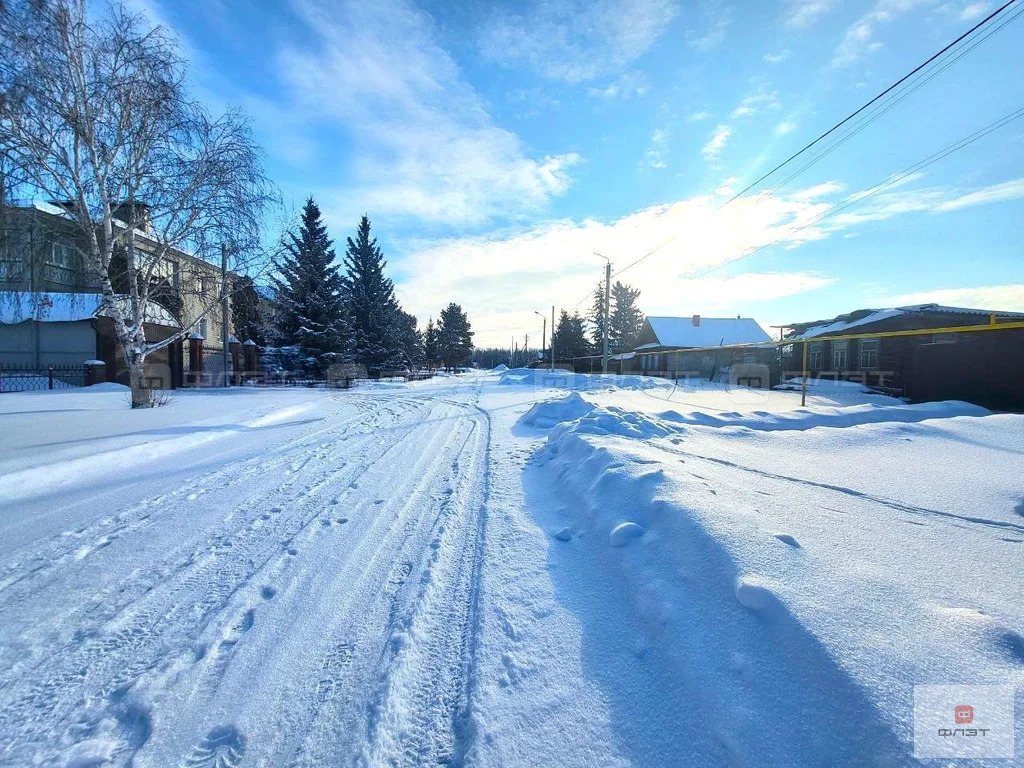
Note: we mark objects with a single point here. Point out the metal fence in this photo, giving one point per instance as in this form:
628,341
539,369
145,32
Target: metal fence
29,378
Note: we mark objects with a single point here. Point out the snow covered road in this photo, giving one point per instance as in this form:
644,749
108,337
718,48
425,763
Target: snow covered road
526,570
309,601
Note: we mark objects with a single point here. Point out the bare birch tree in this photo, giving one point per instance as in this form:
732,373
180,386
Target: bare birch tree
94,113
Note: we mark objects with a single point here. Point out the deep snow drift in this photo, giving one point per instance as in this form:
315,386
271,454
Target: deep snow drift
785,575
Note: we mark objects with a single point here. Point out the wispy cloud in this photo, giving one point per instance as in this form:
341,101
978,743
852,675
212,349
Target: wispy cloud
754,103
626,86
786,126
974,11
555,259
1007,298
714,146
576,41
777,58
804,13
859,38
696,117
655,155
424,143
714,21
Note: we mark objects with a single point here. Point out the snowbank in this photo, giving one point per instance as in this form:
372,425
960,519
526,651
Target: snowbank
559,379
831,386
499,368
548,413
574,413
831,570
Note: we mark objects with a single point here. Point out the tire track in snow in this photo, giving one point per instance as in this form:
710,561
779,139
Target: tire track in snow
87,671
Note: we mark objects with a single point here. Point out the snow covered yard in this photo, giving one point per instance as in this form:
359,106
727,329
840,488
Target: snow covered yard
515,569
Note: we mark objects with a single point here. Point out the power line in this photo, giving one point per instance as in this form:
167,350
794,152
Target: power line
865,106
897,99
890,181
881,106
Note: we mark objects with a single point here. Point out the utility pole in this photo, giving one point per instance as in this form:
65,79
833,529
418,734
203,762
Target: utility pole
552,337
544,332
224,305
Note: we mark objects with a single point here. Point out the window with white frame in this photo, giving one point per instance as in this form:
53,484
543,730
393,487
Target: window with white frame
839,359
868,354
816,356
60,262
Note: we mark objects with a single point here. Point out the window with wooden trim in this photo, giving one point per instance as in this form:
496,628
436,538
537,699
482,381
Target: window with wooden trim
839,355
869,354
816,356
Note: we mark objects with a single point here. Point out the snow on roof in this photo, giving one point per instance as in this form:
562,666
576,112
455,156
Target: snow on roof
840,326
712,331
877,315
19,306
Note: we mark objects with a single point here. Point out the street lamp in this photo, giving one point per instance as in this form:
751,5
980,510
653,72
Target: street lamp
543,332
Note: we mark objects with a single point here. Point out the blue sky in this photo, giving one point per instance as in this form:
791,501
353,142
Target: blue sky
497,146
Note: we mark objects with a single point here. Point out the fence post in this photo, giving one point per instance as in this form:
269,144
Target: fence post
95,372
49,377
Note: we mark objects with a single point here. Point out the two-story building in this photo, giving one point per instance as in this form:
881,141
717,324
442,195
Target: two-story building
50,300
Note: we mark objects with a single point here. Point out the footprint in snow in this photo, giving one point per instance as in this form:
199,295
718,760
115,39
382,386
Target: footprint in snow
786,538
222,747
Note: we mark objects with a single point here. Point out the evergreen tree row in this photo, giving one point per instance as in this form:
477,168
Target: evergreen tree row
348,313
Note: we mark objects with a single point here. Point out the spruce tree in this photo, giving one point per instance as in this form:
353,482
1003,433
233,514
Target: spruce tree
455,338
597,318
310,294
570,337
247,311
373,309
410,340
625,320
430,344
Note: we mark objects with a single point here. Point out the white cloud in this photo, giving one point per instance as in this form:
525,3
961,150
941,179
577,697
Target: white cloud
932,200
859,37
578,40
754,103
554,261
777,58
1006,298
423,143
819,190
628,85
656,151
715,19
786,126
696,117
714,146
974,11
804,13
1008,190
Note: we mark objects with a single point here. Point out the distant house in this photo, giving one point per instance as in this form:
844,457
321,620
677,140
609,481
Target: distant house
50,302
678,347
981,367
